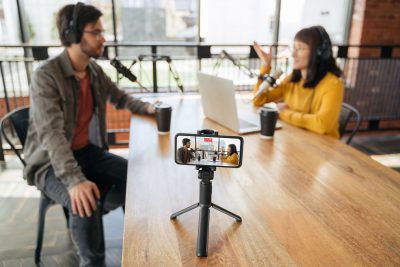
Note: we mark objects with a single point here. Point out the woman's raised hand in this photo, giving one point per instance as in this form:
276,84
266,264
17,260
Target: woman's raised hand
265,57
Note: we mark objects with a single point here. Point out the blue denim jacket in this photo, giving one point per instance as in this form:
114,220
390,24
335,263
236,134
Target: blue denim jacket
54,92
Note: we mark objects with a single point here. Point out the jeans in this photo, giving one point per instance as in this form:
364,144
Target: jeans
108,172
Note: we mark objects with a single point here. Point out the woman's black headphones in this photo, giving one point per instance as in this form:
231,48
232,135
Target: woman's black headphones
324,51
72,34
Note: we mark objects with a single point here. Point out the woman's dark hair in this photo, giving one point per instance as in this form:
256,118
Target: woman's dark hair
233,149
87,14
319,63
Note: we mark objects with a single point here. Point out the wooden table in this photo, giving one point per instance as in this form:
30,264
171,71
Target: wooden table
305,199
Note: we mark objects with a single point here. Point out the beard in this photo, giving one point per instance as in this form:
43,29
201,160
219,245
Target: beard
91,51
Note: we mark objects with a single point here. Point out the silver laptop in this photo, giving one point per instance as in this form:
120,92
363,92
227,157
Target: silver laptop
219,104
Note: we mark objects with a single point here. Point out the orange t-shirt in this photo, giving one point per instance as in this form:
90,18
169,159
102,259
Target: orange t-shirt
85,112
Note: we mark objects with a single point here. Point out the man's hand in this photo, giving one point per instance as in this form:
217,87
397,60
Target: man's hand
151,109
83,198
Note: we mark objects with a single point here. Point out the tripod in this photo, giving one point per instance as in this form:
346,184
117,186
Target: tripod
206,174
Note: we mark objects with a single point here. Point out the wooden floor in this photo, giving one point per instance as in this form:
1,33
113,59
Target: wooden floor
383,147
18,222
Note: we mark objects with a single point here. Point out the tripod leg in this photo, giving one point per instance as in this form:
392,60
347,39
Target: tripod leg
227,212
176,214
202,235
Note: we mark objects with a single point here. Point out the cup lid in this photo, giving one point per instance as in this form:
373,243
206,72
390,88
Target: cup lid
268,109
163,106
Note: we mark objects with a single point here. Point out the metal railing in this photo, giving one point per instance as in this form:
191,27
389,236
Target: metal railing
161,67
372,83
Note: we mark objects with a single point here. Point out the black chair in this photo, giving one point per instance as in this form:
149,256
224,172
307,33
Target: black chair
347,113
14,127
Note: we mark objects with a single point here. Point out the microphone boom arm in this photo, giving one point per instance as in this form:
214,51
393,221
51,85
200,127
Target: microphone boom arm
238,64
125,72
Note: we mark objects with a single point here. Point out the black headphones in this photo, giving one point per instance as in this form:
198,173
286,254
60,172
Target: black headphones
324,51
72,35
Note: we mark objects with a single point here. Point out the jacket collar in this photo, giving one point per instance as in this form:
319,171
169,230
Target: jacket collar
66,65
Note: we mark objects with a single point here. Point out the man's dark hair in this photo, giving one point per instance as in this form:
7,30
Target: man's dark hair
185,141
317,66
87,14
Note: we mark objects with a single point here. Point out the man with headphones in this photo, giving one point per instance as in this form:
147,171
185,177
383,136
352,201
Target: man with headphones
66,146
311,96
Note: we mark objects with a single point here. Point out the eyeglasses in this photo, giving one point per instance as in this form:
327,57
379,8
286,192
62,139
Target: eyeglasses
298,49
96,33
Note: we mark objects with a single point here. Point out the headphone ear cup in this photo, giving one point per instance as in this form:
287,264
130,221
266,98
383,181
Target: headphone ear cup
70,36
324,51
326,54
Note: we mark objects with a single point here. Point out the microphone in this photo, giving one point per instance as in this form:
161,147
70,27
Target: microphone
123,70
126,72
268,81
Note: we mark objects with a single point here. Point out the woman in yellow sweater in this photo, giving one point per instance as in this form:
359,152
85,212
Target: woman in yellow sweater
312,94
232,155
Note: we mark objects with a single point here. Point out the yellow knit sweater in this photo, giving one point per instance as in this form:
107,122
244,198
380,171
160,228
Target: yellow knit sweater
234,159
315,109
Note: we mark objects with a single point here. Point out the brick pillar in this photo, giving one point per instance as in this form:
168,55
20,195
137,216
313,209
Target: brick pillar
375,22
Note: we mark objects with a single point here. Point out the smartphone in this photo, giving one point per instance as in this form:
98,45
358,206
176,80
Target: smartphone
208,150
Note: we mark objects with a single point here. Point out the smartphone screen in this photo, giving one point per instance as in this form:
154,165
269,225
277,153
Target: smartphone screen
209,150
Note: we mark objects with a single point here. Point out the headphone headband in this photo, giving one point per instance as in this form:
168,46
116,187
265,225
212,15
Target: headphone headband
324,51
71,34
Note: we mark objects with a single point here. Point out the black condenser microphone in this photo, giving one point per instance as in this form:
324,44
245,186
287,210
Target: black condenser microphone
126,72
268,81
123,70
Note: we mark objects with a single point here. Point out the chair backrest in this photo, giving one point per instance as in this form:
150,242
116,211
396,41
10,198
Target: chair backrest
348,112
19,120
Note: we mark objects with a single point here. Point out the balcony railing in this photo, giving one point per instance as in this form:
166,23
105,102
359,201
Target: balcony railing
372,80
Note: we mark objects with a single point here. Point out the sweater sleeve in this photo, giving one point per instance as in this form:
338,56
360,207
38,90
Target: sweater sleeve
232,159
325,117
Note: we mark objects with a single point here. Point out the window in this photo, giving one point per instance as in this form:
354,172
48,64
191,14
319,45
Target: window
156,21
8,22
221,22
297,14
39,19
237,21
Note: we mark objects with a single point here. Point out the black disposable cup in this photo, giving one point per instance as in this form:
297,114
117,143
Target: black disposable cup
163,117
268,118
